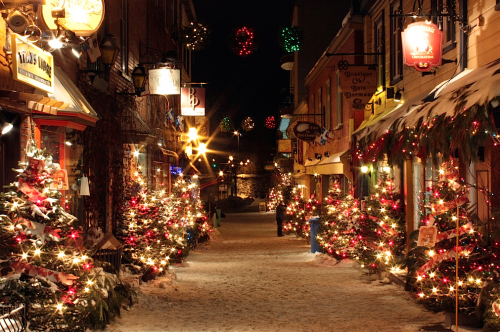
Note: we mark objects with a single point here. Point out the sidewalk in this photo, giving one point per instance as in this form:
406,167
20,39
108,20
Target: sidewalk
248,279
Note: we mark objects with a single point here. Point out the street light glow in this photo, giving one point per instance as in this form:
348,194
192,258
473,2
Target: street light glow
193,134
202,148
231,158
364,169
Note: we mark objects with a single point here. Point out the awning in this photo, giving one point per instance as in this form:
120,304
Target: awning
330,165
378,125
471,87
67,104
312,162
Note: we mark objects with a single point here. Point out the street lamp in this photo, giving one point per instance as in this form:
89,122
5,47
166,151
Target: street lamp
238,135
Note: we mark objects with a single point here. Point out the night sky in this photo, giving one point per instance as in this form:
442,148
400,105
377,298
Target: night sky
239,87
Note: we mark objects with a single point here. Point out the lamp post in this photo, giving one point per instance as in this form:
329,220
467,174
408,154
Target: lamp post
238,135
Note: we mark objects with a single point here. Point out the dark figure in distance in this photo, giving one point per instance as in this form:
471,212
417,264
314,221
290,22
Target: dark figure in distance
280,212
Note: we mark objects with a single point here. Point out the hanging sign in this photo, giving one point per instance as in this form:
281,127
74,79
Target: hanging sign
284,146
32,65
306,131
193,101
422,45
165,81
81,17
358,84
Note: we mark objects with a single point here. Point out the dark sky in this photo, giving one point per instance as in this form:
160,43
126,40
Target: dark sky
239,87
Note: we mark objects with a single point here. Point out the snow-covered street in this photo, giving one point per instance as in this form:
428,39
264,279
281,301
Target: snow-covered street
248,279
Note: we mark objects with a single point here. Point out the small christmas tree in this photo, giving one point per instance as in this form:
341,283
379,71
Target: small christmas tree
44,256
381,230
432,260
338,233
160,229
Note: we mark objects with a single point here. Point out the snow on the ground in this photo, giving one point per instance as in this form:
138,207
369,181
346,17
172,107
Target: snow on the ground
247,279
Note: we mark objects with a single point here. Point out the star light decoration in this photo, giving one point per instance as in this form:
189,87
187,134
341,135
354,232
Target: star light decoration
270,122
195,36
226,125
243,41
247,124
291,39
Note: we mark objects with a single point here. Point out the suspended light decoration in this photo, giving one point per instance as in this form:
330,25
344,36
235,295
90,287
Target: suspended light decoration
195,36
243,41
291,39
270,122
247,124
226,125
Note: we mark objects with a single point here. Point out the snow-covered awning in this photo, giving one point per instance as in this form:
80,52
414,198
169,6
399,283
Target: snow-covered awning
469,88
378,125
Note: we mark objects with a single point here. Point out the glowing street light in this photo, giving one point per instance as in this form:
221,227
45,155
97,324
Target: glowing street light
231,158
202,148
193,134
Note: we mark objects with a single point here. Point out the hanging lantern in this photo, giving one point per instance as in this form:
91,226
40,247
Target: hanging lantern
243,42
270,122
290,39
226,125
247,124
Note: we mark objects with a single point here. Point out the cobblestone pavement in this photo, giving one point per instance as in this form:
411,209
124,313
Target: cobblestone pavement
248,279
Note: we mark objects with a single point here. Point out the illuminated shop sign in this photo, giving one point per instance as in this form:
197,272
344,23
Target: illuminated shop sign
32,65
422,45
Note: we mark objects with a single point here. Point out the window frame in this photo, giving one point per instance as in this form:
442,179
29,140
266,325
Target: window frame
124,38
339,105
447,26
379,47
396,52
328,103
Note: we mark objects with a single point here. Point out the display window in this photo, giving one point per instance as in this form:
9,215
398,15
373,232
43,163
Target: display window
63,144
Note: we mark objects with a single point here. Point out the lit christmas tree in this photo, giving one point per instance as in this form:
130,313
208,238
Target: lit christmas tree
432,262
295,214
338,231
43,255
160,229
381,230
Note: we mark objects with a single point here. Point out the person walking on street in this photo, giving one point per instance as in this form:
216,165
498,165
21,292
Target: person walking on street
280,212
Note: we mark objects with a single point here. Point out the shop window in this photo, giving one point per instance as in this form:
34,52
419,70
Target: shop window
328,106
339,108
396,43
124,37
378,47
446,25
64,146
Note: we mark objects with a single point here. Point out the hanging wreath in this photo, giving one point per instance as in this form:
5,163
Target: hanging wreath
226,125
270,122
247,124
195,36
243,41
291,39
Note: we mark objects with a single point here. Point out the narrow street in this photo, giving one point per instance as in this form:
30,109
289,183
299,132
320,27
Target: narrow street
248,279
